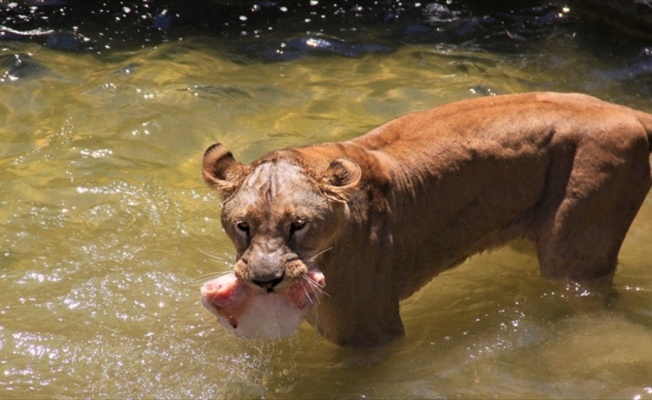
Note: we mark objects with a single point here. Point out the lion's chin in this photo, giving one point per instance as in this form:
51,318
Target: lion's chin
255,314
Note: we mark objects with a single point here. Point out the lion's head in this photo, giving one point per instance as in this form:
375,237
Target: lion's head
279,212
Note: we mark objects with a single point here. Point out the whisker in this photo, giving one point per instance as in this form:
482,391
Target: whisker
316,290
313,284
305,291
319,254
316,287
318,263
211,256
210,275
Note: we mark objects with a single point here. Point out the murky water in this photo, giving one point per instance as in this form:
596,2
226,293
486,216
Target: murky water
108,232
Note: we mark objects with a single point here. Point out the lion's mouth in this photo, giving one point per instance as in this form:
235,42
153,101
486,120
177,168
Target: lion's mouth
253,314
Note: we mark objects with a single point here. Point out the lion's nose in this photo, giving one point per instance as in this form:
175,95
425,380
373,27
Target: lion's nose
265,263
269,282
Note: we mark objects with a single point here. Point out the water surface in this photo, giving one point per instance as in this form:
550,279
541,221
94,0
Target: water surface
108,231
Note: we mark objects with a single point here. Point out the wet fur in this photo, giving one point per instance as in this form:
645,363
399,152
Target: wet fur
425,191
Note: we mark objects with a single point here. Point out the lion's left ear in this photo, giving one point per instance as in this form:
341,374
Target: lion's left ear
341,175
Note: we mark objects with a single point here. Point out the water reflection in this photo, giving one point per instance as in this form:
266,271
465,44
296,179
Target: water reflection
282,30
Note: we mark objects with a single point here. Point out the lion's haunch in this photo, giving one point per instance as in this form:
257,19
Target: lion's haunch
254,314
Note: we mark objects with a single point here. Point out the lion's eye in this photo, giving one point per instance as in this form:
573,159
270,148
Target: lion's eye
242,226
297,226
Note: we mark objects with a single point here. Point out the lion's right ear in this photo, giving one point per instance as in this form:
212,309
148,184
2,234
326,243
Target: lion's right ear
221,171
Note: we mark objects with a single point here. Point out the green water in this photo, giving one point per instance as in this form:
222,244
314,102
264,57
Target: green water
108,233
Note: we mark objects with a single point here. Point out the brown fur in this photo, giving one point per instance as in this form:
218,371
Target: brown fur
391,209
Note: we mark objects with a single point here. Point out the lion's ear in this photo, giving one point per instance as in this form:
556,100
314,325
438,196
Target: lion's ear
221,171
342,174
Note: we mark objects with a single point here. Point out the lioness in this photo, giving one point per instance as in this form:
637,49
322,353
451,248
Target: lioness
384,213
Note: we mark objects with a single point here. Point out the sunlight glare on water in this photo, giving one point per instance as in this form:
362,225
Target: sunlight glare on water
108,232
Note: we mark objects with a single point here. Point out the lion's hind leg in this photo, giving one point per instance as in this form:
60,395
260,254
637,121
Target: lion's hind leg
580,235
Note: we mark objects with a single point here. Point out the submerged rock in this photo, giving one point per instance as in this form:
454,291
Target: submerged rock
20,67
633,17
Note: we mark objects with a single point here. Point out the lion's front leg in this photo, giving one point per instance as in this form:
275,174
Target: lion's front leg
367,321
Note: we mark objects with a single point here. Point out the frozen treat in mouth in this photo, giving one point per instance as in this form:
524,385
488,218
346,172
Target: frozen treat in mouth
252,313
